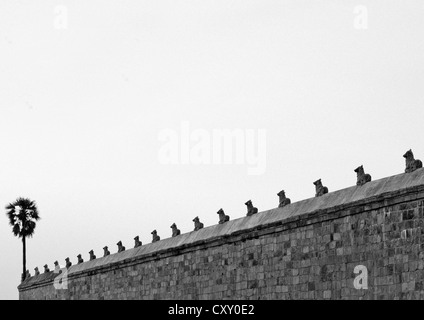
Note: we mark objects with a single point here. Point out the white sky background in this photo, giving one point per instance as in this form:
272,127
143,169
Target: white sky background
81,109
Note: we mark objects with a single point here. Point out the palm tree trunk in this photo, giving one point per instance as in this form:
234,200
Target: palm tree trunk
24,258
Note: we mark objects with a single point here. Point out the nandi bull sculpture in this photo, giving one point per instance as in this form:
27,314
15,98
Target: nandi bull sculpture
319,188
361,176
222,216
411,163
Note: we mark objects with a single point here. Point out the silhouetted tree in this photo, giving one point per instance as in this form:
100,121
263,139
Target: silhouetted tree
23,214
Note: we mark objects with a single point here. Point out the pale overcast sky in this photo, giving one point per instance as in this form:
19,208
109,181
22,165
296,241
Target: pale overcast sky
88,87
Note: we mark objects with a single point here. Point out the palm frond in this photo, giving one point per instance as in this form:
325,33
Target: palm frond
22,214
11,213
16,229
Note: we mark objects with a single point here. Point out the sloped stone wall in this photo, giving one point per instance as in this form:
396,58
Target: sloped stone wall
307,250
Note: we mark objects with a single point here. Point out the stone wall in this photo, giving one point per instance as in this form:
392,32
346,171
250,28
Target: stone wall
305,250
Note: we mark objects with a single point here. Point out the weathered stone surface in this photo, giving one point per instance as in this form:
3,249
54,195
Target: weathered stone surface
307,250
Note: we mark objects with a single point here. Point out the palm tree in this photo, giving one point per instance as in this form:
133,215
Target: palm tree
23,214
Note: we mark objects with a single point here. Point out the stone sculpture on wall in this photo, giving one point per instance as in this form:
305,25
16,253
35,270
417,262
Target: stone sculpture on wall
175,230
222,216
37,272
105,251
80,259
411,163
120,246
197,224
283,200
46,268
362,177
250,208
319,188
155,236
137,242
92,255
68,263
